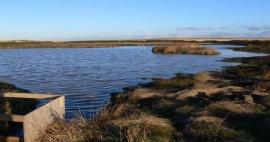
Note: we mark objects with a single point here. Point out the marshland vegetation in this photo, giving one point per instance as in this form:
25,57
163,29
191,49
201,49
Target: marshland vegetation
185,48
230,105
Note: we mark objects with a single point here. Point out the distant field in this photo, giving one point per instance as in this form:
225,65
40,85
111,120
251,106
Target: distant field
216,39
117,43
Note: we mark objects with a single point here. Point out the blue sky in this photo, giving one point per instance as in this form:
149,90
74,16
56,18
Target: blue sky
133,19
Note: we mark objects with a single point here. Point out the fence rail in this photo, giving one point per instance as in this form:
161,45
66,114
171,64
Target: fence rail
36,120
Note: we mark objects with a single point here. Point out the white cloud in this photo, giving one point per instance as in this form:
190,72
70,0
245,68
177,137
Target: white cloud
148,35
193,28
256,28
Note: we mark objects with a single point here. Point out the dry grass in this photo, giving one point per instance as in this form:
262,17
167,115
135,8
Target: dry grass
204,77
213,129
264,85
114,123
62,130
114,111
145,128
185,48
262,98
81,129
167,104
166,107
265,101
208,89
140,94
175,47
185,111
174,83
267,75
232,111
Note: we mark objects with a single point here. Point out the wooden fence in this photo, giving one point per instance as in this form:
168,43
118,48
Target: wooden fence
36,120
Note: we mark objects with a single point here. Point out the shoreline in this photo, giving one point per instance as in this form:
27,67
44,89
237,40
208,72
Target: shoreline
217,97
117,43
228,105
249,94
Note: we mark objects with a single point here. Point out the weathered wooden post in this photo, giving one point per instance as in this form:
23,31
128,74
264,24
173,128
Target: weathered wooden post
37,120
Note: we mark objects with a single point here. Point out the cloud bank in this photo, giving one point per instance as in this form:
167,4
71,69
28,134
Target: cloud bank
256,28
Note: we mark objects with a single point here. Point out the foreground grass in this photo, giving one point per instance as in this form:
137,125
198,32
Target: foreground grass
114,123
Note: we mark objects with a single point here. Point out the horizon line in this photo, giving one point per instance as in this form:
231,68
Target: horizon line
146,39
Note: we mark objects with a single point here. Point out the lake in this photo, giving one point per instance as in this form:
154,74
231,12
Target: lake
87,76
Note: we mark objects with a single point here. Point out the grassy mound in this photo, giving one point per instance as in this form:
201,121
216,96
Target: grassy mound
185,48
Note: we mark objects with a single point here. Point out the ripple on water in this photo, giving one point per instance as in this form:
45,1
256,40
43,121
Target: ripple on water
87,76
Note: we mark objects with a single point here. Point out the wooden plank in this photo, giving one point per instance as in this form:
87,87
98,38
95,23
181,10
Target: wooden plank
27,95
38,120
13,118
11,139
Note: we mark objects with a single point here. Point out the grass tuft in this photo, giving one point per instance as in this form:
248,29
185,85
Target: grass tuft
114,123
213,129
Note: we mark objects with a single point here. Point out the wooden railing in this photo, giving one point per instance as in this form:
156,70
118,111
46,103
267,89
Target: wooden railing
36,120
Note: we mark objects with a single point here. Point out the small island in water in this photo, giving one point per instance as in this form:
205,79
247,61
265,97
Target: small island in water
185,48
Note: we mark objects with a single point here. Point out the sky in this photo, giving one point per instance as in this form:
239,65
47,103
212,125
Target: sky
61,20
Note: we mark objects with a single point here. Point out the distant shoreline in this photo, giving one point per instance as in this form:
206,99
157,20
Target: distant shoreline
116,43
140,40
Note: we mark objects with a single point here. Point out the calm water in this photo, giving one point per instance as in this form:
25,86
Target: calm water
86,76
